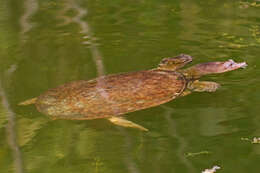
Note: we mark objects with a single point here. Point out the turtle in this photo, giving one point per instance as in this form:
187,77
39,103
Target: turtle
114,95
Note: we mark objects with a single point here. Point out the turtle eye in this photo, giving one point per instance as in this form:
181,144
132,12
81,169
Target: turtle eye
164,61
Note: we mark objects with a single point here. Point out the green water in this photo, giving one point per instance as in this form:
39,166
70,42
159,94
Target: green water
47,43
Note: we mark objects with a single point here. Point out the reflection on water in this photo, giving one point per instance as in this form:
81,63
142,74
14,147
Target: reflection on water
174,134
10,130
44,44
85,30
30,8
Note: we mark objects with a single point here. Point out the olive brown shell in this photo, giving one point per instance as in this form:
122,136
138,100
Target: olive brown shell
111,95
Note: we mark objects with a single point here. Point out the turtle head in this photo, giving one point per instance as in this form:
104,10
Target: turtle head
199,70
174,63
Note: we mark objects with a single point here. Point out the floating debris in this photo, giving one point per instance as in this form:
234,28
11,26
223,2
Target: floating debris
212,170
245,5
255,140
196,154
230,41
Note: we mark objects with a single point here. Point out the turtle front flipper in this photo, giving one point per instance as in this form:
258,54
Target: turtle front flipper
28,102
126,123
203,86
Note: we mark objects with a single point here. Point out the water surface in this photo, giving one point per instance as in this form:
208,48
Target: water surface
46,43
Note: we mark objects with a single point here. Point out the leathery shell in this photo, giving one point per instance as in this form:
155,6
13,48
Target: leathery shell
111,95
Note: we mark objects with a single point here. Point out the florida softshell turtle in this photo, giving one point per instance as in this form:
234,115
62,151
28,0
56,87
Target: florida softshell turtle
112,96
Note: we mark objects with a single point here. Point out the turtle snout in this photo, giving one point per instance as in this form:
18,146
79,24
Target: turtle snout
232,65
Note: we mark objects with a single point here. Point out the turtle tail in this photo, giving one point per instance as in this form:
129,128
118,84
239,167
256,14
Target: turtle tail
28,102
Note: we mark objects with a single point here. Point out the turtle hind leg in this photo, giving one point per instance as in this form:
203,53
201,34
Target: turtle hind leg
126,123
28,102
203,86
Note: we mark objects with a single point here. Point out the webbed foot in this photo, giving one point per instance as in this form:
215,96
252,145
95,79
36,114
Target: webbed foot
125,123
203,86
